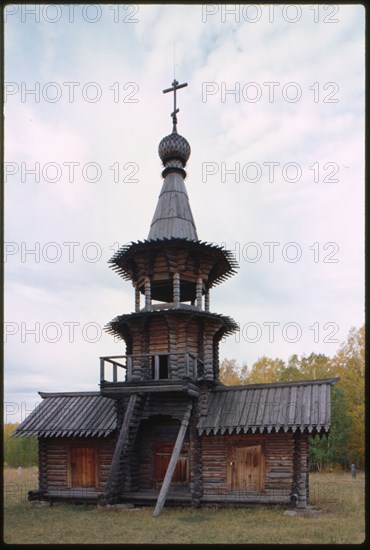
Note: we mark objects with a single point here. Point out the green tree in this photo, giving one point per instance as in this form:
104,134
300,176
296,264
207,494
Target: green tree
315,366
291,372
333,448
19,451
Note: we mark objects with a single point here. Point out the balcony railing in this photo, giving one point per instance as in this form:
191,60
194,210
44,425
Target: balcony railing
149,367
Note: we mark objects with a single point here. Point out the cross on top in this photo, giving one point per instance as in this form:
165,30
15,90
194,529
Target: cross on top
175,86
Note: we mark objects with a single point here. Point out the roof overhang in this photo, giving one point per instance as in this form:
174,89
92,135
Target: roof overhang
264,408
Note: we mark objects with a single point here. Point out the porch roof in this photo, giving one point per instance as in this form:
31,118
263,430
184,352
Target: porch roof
79,414
289,406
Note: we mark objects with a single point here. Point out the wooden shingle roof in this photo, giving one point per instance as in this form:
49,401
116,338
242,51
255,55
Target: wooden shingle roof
132,260
70,415
173,217
288,406
303,405
119,326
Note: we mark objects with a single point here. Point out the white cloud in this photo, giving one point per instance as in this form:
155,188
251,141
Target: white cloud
110,134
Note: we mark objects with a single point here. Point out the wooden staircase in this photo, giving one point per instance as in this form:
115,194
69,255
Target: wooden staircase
119,469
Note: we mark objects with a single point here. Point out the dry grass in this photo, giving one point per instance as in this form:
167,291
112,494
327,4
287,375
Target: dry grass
339,497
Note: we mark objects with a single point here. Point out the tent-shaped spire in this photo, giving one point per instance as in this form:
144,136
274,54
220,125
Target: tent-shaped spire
173,217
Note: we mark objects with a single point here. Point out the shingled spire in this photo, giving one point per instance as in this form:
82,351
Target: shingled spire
173,217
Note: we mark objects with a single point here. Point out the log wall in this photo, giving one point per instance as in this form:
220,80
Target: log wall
158,335
278,465
284,456
195,456
140,342
301,474
162,333
55,468
42,451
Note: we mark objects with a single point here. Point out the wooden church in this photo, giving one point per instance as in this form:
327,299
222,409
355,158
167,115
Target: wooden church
163,429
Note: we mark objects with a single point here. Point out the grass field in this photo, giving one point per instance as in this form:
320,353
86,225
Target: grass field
339,498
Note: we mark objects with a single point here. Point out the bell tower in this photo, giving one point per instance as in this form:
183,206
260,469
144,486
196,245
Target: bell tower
163,428
172,335
172,340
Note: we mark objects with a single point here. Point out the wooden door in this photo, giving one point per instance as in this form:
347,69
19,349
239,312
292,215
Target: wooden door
162,457
162,367
83,465
248,468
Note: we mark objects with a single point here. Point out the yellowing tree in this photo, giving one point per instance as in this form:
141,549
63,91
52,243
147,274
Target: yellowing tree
349,364
265,370
346,442
230,372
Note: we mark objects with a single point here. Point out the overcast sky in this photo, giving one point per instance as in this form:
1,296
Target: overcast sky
274,114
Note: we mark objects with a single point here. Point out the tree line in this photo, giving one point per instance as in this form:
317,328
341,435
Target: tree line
346,441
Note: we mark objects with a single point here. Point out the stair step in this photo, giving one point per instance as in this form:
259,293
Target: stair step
130,425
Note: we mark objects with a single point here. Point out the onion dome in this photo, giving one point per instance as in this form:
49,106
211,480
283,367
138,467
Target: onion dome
173,218
174,151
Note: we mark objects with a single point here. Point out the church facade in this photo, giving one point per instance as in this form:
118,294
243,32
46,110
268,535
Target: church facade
162,429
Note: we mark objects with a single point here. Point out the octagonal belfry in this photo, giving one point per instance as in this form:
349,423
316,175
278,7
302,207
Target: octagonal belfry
173,271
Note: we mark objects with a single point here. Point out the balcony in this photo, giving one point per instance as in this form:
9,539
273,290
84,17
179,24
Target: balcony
175,371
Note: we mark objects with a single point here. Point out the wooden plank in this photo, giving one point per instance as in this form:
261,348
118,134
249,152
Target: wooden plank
138,388
172,465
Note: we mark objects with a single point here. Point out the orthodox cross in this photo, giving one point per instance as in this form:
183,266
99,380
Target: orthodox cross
175,86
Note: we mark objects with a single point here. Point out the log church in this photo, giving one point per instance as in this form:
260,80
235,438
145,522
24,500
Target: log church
162,429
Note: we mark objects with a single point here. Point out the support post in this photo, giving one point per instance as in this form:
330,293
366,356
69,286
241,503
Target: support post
173,461
199,289
129,368
102,362
195,450
137,299
148,296
302,498
299,493
206,300
156,367
176,290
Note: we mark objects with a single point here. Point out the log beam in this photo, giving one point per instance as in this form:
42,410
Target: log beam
173,461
